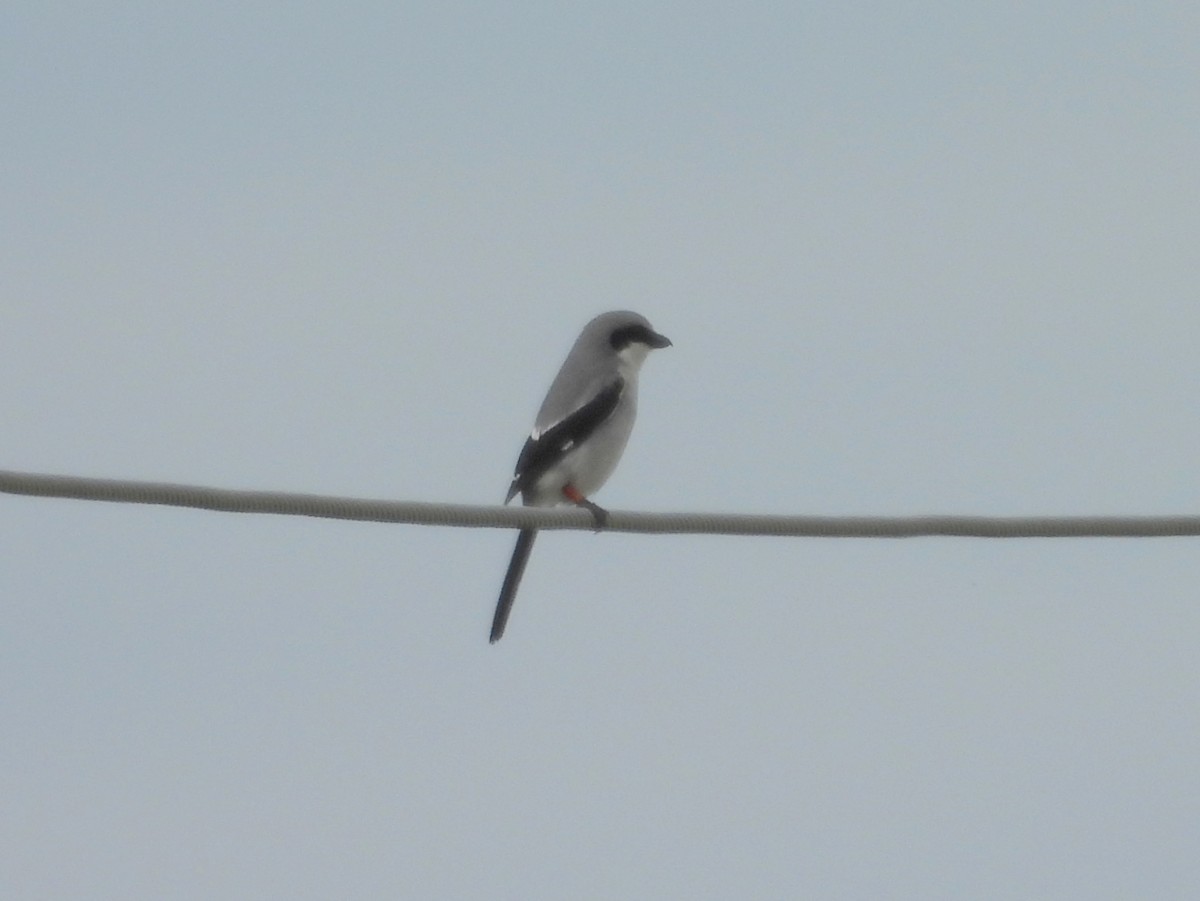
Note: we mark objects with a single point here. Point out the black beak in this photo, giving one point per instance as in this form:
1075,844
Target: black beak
654,339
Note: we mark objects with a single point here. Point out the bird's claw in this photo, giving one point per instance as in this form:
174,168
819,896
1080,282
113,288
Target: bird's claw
599,514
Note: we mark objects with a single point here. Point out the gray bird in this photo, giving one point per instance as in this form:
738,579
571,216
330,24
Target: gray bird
580,431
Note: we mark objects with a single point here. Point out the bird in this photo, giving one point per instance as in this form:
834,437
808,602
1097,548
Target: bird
580,431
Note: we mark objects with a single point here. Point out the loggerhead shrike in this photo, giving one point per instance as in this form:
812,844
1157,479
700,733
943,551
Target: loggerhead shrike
580,431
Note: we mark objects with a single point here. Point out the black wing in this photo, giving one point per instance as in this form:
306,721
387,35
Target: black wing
541,453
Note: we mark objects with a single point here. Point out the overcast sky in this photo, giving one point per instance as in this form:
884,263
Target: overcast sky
916,258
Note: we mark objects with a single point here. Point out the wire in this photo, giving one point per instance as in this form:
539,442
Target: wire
461,515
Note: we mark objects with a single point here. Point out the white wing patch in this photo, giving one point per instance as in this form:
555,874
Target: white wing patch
538,433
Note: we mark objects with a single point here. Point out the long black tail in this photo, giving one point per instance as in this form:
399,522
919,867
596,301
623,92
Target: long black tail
512,578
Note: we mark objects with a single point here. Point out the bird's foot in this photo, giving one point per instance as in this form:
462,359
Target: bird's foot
599,514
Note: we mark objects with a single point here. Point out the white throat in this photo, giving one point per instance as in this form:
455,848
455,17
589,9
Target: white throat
631,357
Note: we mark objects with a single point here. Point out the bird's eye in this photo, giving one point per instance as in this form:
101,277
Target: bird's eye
622,337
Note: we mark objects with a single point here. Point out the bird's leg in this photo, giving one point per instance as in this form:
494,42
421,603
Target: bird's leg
599,514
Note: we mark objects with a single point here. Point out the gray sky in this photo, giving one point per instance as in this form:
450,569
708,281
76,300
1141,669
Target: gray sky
938,258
